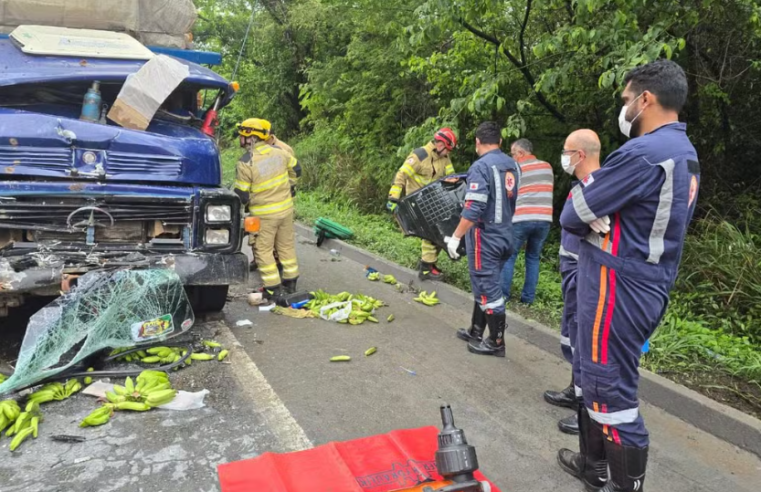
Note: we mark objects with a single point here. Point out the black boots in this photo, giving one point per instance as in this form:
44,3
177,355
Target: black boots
428,271
627,468
477,325
569,425
589,465
495,344
565,398
272,293
289,285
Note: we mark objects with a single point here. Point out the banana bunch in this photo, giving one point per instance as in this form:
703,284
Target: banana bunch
9,412
374,277
27,424
163,355
427,299
55,391
360,304
389,279
153,389
133,357
98,416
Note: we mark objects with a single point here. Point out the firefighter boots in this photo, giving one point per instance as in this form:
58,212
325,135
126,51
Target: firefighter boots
429,271
565,398
627,468
495,344
477,325
588,465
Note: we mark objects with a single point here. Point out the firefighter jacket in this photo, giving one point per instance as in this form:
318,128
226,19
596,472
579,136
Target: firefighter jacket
423,166
281,145
266,174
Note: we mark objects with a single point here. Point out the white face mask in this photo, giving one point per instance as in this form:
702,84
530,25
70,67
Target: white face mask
626,126
565,161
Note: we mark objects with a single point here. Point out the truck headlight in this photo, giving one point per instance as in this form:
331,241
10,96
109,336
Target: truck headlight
217,237
218,213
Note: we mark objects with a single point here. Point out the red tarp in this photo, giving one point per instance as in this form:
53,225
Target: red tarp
396,460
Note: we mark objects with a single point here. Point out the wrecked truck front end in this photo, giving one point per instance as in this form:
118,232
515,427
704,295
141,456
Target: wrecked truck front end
79,196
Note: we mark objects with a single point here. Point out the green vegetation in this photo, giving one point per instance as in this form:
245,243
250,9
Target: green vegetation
359,84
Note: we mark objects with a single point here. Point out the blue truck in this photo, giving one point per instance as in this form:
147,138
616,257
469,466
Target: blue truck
79,196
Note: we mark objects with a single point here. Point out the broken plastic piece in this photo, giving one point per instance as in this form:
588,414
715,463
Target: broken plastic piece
105,310
244,322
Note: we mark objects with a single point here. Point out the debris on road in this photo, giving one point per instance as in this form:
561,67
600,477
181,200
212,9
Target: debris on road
409,371
255,299
117,309
340,358
293,313
344,307
68,439
427,299
244,322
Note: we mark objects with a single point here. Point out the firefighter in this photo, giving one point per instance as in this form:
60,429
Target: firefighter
263,180
423,166
487,219
580,158
633,217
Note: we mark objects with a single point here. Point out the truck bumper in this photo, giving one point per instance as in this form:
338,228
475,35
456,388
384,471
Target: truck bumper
193,269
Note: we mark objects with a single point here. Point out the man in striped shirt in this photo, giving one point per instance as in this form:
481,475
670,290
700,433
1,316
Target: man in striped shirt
532,219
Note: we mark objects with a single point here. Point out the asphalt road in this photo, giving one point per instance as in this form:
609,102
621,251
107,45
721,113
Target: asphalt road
279,392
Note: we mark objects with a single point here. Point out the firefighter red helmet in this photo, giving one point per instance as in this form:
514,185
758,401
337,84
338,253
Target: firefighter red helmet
447,137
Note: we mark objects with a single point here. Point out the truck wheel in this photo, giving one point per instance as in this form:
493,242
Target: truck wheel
207,298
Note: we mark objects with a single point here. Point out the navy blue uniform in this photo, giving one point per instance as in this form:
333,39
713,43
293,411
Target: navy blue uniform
648,188
490,202
569,262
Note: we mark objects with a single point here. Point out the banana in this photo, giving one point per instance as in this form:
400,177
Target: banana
72,386
389,279
10,409
155,350
370,351
222,355
165,352
114,398
340,358
152,374
212,344
141,353
133,406
390,318
154,388
35,426
120,390
88,379
160,397
16,442
150,360
16,427
97,417
372,319
129,386
32,407
195,356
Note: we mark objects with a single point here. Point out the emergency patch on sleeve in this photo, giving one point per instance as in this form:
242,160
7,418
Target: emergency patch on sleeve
410,161
588,180
421,153
473,186
509,183
693,167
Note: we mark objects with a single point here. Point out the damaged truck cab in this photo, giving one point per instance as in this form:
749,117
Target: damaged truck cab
78,196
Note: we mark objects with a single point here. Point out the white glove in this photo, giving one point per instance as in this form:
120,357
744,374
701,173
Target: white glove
452,244
601,225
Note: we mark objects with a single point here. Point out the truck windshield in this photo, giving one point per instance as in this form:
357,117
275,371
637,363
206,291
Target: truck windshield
183,106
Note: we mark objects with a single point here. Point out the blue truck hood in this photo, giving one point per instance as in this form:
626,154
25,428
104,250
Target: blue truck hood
57,147
50,142
16,67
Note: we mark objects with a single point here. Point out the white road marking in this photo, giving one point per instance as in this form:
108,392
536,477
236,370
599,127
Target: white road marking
251,380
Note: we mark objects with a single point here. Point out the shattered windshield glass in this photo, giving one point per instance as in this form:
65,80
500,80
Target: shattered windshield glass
105,310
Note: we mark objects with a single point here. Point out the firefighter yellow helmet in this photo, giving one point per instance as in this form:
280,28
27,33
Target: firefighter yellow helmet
255,127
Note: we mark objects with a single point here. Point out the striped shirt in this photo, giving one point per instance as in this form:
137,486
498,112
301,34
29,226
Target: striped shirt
535,191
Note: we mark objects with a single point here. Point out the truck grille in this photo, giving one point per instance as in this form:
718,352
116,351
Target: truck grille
124,163
39,157
135,219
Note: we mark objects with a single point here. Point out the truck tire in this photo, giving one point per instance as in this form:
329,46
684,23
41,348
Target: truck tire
207,298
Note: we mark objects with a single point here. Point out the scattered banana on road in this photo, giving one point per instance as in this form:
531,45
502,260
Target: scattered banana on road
98,417
374,277
26,423
55,391
427,299
9,412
